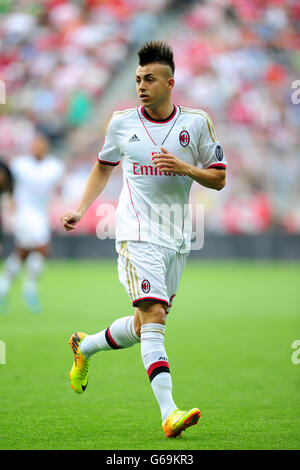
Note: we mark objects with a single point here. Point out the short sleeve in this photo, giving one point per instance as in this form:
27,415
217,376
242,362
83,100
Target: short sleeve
210,154
110,153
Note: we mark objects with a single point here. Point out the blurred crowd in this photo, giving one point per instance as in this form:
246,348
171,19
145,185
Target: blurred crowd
58,56
236,59
240,59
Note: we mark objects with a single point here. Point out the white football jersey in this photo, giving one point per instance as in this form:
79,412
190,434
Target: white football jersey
35,181
153,204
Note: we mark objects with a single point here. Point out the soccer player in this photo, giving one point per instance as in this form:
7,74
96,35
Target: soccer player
6,186
36,177
160,145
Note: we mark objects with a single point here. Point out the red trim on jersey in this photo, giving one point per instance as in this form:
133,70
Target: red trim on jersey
157,364
134,210
104,161
217,164
108,163
150,298
145,126
162,121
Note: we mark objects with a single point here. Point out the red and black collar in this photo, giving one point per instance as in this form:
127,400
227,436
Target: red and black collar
159,121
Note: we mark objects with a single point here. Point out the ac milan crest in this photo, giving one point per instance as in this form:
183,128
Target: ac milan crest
146,286
184,138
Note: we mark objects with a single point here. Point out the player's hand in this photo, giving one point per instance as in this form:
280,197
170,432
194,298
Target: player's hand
168,162
70,220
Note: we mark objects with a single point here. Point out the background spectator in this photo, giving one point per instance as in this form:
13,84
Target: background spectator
237,60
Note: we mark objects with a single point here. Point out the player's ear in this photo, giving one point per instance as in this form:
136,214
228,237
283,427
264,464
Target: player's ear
171,83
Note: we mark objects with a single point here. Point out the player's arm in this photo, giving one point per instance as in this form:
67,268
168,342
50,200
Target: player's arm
108,157
212,178
94,186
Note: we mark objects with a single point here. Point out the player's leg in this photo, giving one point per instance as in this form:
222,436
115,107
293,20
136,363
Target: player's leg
121,334
178,420
152,317
11,268
156,362
34,265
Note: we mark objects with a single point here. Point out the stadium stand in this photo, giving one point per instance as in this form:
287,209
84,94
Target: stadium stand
237,60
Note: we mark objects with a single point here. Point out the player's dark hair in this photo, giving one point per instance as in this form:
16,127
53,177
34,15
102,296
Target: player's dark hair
8,174
156,52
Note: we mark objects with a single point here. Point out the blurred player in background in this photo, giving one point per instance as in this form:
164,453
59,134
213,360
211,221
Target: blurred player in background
6,186
36,177
160,145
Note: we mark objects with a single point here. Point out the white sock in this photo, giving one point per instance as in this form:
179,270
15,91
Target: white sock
157,366
121,334
12,267
34,266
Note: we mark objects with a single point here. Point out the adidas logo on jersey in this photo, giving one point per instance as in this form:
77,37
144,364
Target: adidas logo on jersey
134,138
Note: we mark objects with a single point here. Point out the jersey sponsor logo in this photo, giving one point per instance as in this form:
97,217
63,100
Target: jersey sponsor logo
219,153
134,138
151,170
184,138
146,286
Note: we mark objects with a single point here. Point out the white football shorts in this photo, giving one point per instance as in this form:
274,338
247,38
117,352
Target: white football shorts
31,231
149,271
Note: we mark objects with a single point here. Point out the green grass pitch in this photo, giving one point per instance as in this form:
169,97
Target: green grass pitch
228,339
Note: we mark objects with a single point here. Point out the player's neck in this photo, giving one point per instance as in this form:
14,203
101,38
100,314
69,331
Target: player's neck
161,112
38,158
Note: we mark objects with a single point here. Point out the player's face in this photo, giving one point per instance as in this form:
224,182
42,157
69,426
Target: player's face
40,146
154,83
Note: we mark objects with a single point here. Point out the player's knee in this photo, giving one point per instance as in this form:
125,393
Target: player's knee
35,263
151,312
137,322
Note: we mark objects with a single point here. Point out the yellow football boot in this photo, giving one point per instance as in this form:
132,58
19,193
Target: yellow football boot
179,420
80,368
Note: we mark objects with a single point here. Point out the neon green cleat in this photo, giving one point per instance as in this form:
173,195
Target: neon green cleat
79,372
179,420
